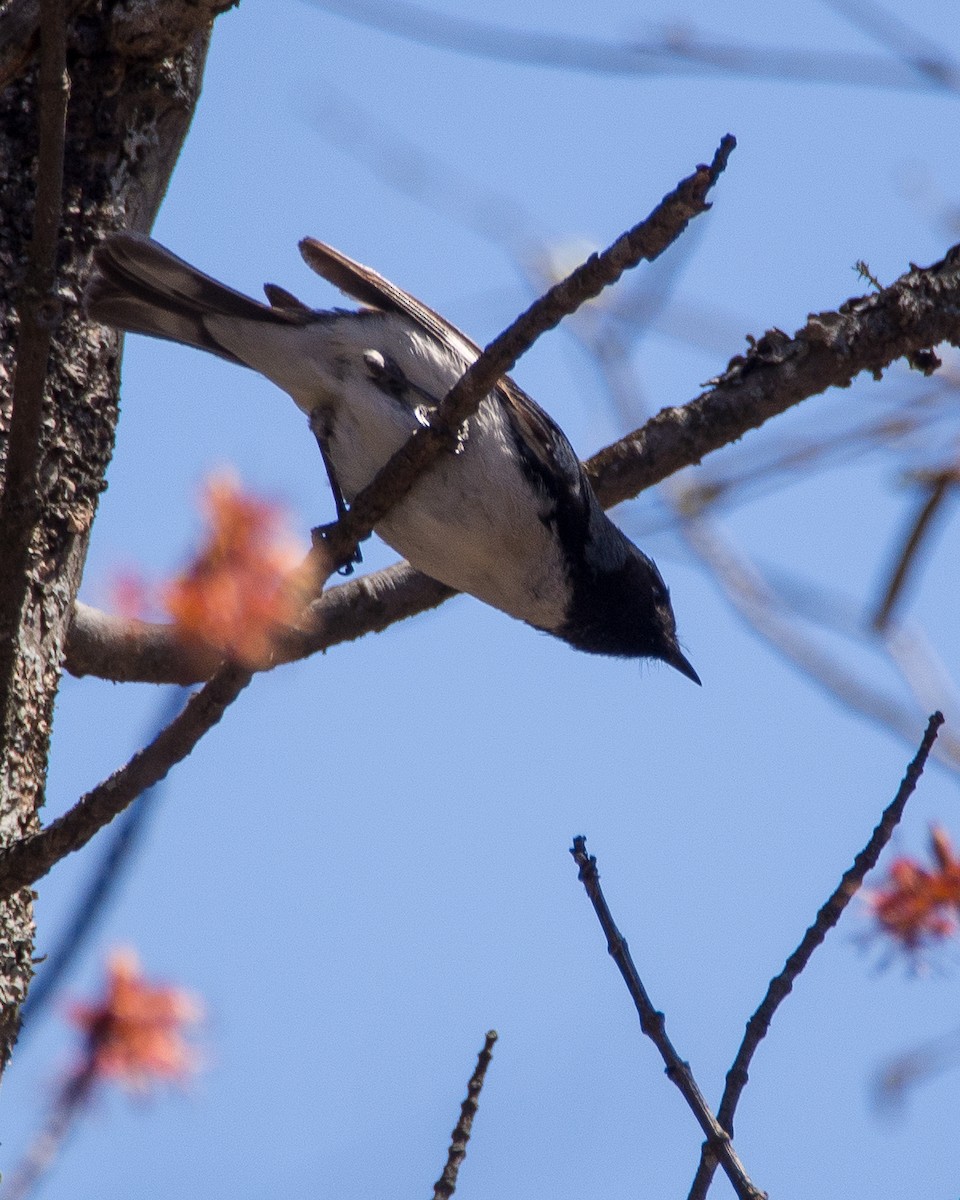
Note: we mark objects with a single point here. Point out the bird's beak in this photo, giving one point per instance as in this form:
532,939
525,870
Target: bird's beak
677,660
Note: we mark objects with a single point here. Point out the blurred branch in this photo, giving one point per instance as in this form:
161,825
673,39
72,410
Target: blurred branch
677,52
938,488
781,986
911,422
71,1102
88,907
769,616
923,55
39,312
916,1066
415,170
32,857
652,1024
446,1185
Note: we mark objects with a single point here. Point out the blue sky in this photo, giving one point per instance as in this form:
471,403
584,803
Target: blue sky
366,865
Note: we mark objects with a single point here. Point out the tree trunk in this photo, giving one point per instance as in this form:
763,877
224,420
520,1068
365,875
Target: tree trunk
135,73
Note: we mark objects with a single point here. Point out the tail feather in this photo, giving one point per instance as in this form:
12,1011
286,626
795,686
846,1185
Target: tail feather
141,287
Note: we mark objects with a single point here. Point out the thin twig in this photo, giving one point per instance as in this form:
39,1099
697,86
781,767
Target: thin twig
446,1185
39,312
647,240
829,914
937,491
33,856
653,1025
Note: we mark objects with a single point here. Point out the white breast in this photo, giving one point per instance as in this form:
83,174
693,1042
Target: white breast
472,522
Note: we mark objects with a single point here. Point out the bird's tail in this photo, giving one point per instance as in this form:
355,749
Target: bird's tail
141,287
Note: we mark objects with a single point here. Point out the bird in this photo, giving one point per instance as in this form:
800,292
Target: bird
510,518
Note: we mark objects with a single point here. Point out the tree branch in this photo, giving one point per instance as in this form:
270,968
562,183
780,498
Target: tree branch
653,1025
127,651
781,986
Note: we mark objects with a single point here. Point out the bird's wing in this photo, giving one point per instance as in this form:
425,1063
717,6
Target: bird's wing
539,433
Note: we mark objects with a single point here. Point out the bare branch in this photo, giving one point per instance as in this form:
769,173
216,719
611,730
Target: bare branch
137,651
446,1185
781,986
653,1025
32,857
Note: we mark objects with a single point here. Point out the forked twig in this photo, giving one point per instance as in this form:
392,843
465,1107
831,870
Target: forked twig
653,1025
781,986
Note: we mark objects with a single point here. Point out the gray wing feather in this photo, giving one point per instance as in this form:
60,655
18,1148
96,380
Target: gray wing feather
540,432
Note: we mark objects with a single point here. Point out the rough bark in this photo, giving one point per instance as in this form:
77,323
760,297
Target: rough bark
135,71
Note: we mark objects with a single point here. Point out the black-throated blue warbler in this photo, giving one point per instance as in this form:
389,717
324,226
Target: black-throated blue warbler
510,518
